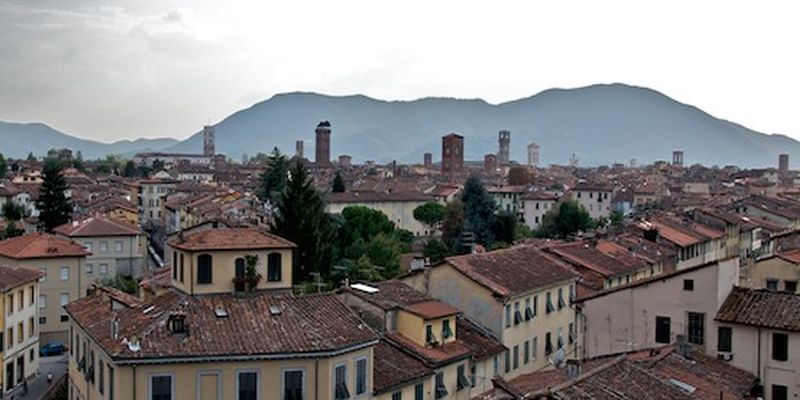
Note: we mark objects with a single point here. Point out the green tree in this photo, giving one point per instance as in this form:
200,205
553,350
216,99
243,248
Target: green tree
431,214
453,225
616,218
129,171
31,157
273,179
300,217
568,218
158,165
54,207
436,250
384,250
126,284
363,223
77,163
338,184
12,213
479,208
504,227
3,166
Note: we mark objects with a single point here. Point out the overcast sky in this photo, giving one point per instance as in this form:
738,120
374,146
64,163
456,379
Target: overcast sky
154,68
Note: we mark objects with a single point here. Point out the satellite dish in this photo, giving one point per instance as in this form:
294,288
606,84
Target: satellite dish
558,357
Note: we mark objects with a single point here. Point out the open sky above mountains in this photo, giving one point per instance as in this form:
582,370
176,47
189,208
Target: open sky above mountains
117,70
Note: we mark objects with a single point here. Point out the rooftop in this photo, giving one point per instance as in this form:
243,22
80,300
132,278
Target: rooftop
40,245
11,277
98,226
230,239
761,307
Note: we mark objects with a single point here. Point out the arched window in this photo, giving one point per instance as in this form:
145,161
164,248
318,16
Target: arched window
204,268
274,267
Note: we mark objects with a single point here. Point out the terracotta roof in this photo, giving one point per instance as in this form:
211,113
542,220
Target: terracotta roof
378,197
231,239
40,245
432,356
792,256
11,277
583,254
643,374
510,271
431,309
98,226
391,294
761,307
394,368
310,324
540,196
480,340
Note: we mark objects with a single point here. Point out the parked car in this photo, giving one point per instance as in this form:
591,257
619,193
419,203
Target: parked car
52,349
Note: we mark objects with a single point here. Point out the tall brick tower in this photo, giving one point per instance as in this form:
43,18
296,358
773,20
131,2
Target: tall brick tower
783,168
208,141
323,145
427,160
504,142
452,154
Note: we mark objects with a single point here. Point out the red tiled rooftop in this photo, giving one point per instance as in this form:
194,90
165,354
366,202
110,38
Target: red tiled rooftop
761,307
431,309
231,239
11,277
97,226
40,245
394,368
432,356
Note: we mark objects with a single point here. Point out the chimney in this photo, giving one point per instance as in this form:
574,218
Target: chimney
115,328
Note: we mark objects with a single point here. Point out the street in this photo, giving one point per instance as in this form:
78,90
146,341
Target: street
37,387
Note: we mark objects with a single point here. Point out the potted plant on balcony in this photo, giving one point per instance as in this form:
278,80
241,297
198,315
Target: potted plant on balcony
251,276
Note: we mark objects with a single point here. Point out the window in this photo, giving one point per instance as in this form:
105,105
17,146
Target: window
103,246
31,327
204,269
790,286
780,347
663,329
44,275
430,339
293,384
461,379
161,387
560,338
724,337
688,285
64,273
88,246
780,392
772,284
42,300
446,331
64,299
118,246
182,267
516,356
361,376
571,333
89,269
10,337
340,382
528,310
473,375
10,306
508,315
535,348
517,313
247,385
526,353
42,320
561,303
548,344
101,378
64,318
397,396
507,355
110,383
175,265
419,392
103,269
274,267
20,332
441,391
549,306
697,328
32,293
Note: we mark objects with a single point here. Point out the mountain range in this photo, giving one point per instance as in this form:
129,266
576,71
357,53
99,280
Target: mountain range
600,124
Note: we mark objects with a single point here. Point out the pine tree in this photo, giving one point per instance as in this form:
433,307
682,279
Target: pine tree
338,184
273,179
54,207
3,166
300,216
479,208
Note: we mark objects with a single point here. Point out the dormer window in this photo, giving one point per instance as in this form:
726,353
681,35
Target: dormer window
446,331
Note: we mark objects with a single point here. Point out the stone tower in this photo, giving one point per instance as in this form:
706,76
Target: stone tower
323,143
208,141
504,142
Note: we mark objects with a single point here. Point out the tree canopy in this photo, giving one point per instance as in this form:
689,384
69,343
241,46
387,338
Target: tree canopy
54,207
431,214
566,219
479,209
338,184
273,179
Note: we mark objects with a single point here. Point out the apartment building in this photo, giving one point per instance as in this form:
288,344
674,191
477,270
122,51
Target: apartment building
534,205
19,327
521,295
63,266
507,198
758,331
148,195
694,243
216,261
453,357
397,206
779,272
653,311
200,340
116,247
594,197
